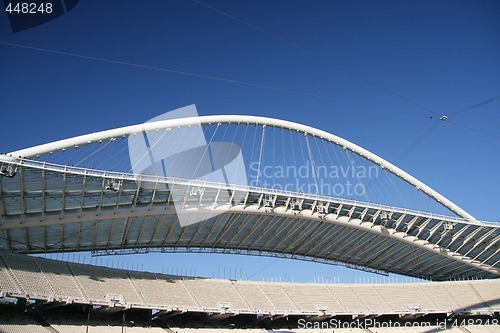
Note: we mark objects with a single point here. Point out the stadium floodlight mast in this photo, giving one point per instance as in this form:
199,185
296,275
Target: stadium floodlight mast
123,132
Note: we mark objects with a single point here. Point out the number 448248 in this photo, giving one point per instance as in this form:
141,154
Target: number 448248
29,8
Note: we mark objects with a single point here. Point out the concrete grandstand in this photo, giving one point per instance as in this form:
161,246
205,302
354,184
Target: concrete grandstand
56,284
56,281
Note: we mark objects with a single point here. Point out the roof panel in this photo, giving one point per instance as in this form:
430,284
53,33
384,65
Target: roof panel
99,218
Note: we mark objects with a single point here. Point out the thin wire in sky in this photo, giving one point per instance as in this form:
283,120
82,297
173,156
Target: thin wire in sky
436,123
202,76
316,55
346,69
415,143
472,107
408,150
474,129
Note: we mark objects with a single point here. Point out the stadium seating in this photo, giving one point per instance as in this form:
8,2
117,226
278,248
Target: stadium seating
11,322
151,289
29,275
207,293
348,298
254,296
278,297
413,298
313,298
60,277
66,282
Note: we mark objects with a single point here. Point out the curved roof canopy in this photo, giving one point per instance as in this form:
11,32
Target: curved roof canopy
53,208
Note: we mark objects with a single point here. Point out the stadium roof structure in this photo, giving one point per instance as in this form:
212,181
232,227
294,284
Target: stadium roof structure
52,207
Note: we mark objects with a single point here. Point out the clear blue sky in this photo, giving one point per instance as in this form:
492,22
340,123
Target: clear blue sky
378,73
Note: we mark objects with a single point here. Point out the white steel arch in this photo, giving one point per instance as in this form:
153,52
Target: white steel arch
98,137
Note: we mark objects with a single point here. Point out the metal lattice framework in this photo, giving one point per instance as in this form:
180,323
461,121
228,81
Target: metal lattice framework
52,208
